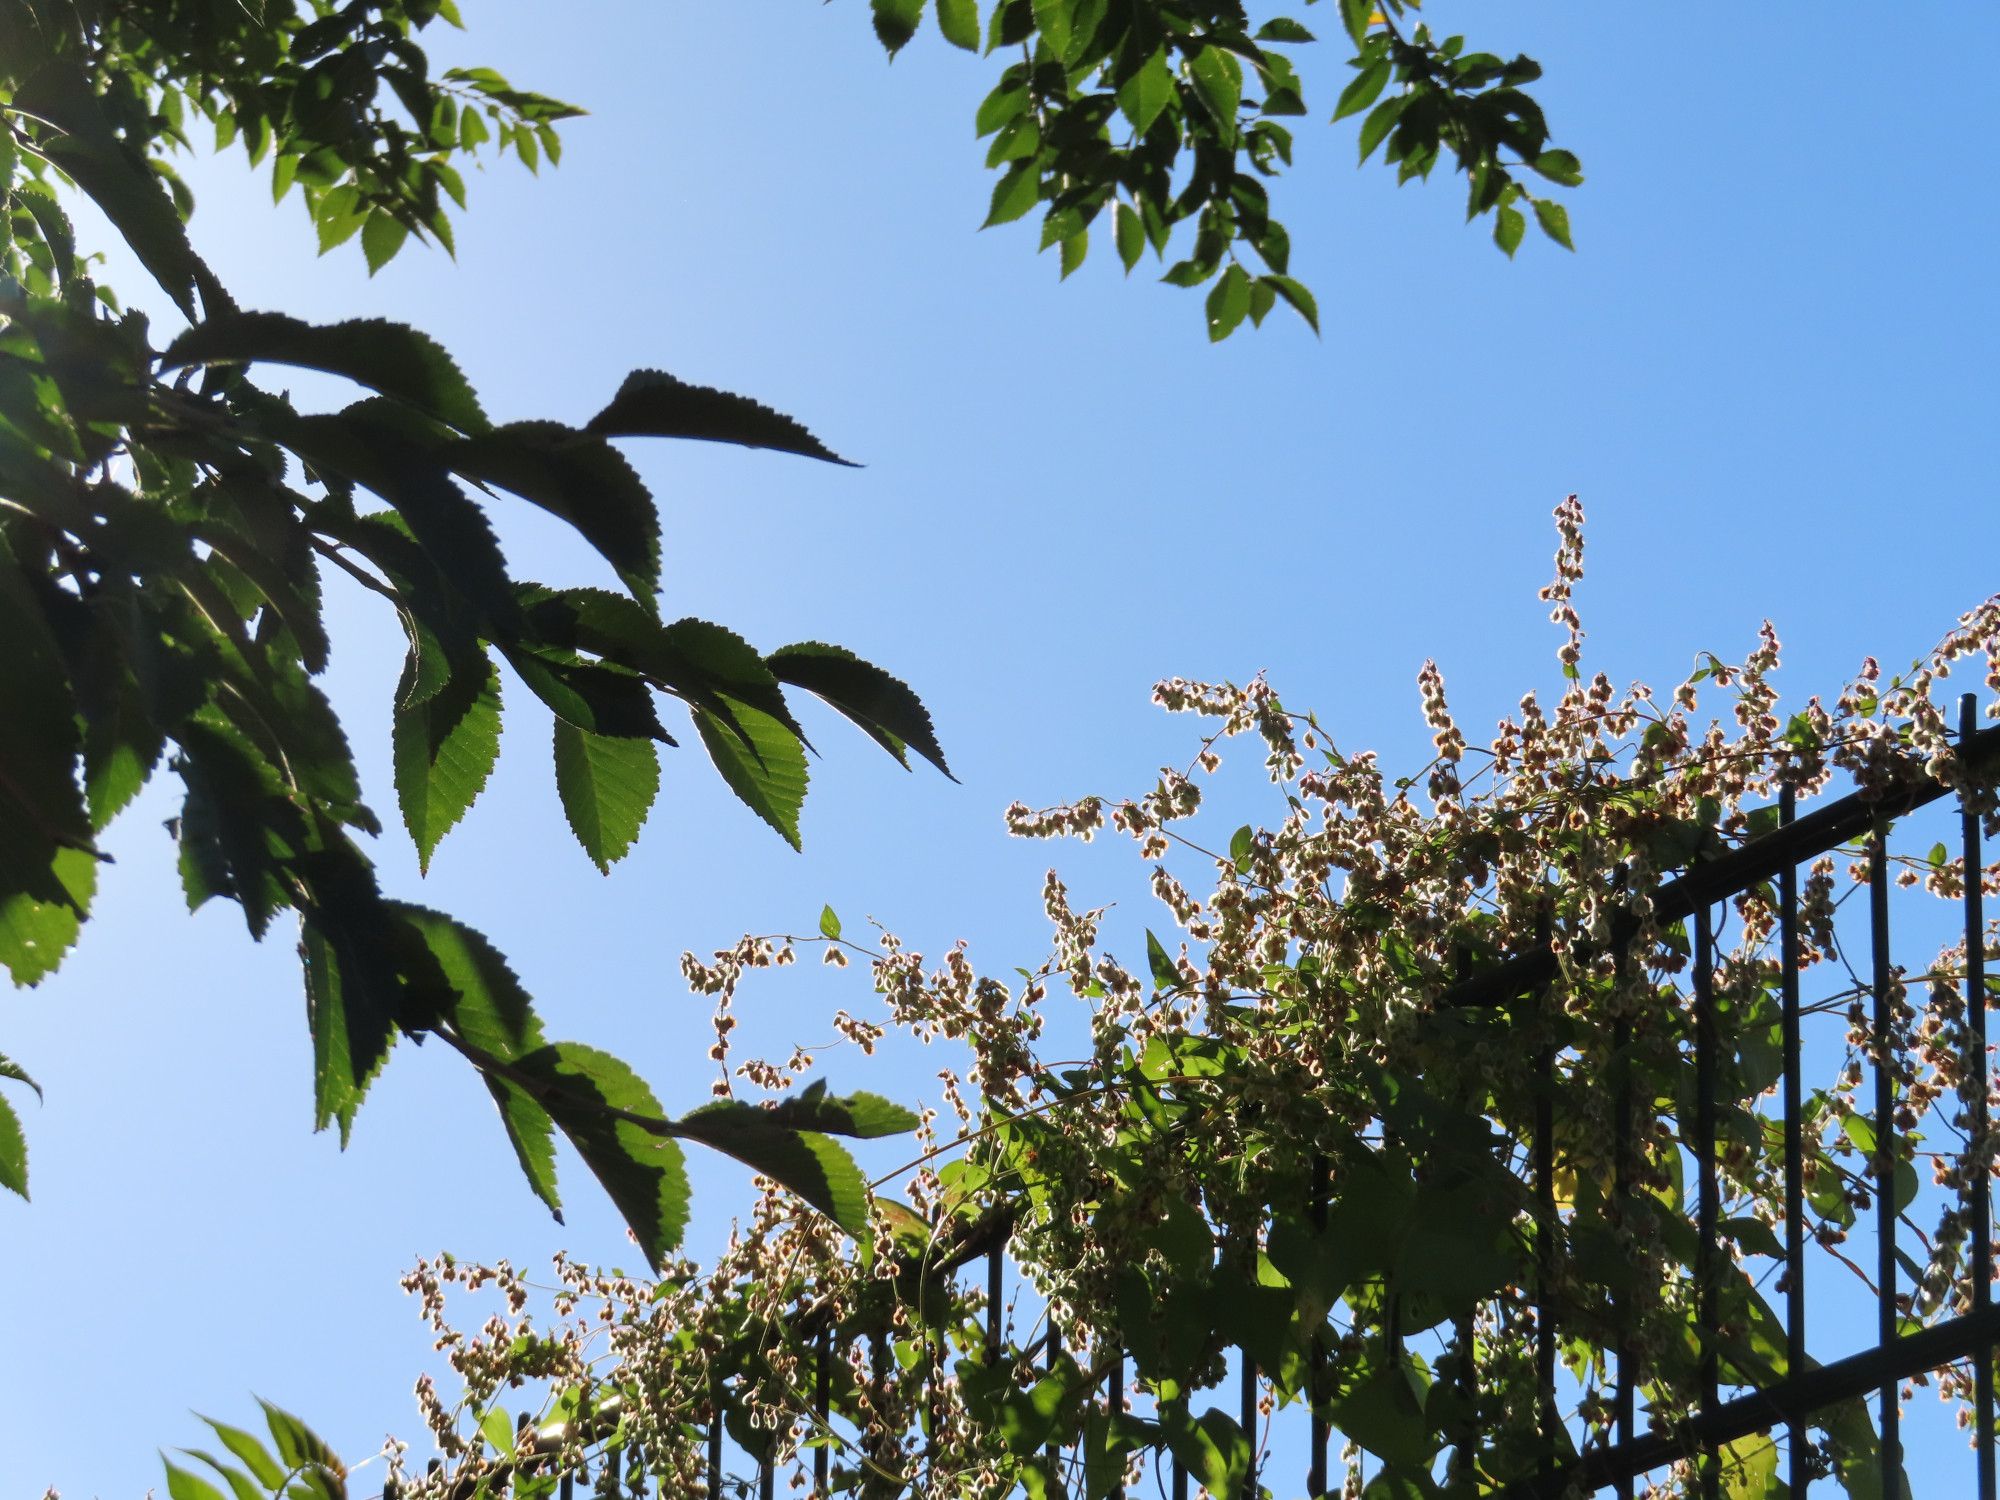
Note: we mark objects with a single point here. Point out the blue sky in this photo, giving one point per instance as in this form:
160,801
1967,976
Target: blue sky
1767,371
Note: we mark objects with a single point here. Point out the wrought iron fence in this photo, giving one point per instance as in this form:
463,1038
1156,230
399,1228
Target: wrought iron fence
1878,1368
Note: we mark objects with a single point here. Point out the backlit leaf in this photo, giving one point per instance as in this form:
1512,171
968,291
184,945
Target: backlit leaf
607,787
391,358
768,773
583,1089
881,704
444,749
652,403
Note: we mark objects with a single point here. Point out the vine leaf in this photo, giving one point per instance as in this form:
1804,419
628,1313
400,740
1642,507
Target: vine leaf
444,748
390,358
884,706
607,788
253,1455
652,403
761,760
645,1174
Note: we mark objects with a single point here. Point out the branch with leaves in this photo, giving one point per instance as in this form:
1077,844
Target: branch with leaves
1172,113
164,522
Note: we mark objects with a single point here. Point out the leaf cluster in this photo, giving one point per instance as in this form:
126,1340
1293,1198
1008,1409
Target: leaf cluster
1176,113
166,522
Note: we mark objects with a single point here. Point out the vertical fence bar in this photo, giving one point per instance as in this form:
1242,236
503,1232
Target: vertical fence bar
569,1486
1798,1467
1465,1456
1885,1145
767,1478
714,1440
1114,1405
878,1378
1706,1202
1316,1481
996,1260
1180,1485
1055,1358
1980,1069
1247,1410
823,1411
1625,1412
1548,1420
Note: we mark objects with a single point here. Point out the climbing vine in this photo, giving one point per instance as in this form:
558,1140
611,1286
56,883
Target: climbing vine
1291,1132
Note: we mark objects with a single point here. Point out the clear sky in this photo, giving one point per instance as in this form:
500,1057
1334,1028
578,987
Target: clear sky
1767,370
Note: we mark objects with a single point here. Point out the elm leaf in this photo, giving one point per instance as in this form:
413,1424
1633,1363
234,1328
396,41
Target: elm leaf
607,786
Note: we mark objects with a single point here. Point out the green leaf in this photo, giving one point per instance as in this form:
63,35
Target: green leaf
829,923
382,235
1218,80
1165,975
1074,248
1559,166
251,1452
591,697
1379,1406
183,1484
1052,20
42,909
351,1030
644,1173
13,1151
882,705
47,870
1381,120
864,1116
579,477
490,1010
241,1485
959,21
1365,89
1554,219
1508,227
607,787
1355,15
1241,843
11,1069
807,1163
652,403
1228,303
896,22
445,747
391,358
1283,29
1149,90
768,773
1130,232
1214,1449
135,202
1018,190
1296,294
298,1445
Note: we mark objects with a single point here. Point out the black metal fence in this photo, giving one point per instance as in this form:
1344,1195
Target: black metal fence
1876,1368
